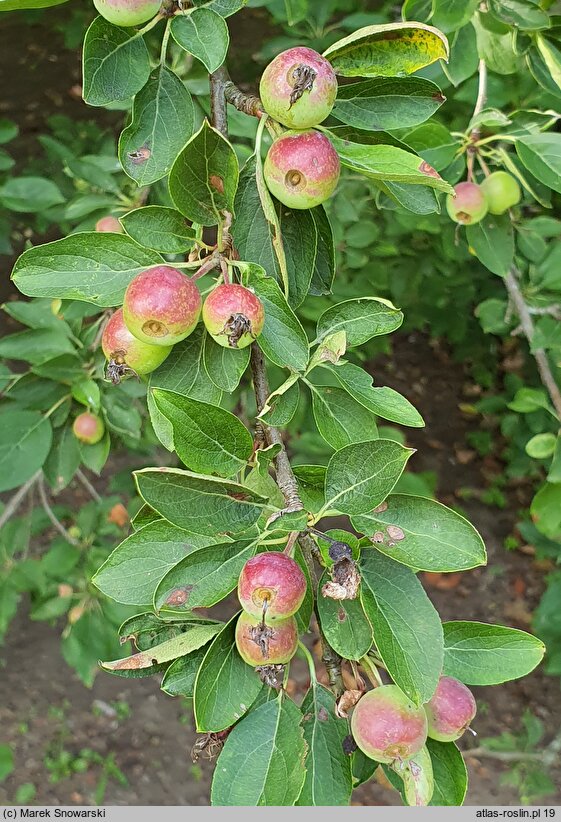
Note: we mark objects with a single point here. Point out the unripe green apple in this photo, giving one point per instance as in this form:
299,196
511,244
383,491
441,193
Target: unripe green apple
450,711
88,428
302,169
122,348
298,88
233,315
502,192
162,306
387,726
266,645
274,580
469,206
128,12
109,223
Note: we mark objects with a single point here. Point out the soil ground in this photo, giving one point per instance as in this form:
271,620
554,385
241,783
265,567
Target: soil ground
43,705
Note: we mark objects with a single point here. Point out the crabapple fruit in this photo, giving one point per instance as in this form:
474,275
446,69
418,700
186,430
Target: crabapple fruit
298,88
126,352
450,711
109,223
233,315
502,192
162,306
302,168
260,644
272,581
386,725
469,206
88,428
128,12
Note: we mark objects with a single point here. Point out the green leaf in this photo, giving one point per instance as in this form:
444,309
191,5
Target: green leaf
450,15
384,401
422,534
150,661
6,758
481,654
541,154
30,194
283,340
493,243
115,63
179,678
36,346
387,103
95,267
360,319
541,446
340,419
25,441
160,228
162,122
63,460
207,438
87,393
344,623
204,34
223,7
132,572
262,762
388,163
407,629
19,5
495,47
183,371
225,366
387,50
523,14
203,578
203,505
225,687
282,404
359,477
307,241
546,510
204,177
450,773
253,234
463,56
328,768
434,143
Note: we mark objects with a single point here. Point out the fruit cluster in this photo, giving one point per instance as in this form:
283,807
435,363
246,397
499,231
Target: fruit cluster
298,90
472,202
162,307
388,727
271,588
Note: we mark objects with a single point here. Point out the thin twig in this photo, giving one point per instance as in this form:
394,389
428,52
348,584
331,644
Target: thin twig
52,516
87,485
14,503
527,325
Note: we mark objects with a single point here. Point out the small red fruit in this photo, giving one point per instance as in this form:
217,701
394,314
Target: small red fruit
260,644
123,350
233,315
88,428
109,223
469,206
162,306
450,711
387,726
128,12
298,88
302,169
275,579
